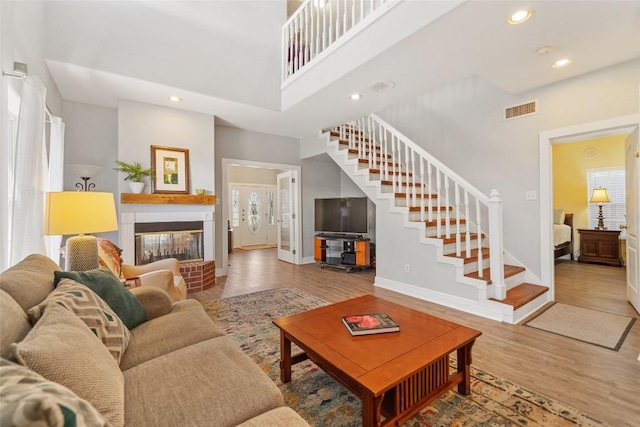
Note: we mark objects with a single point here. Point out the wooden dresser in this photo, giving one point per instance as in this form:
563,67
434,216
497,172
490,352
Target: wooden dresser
600,247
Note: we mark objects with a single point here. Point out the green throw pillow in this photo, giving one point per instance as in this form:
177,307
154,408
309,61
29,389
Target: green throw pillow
104,283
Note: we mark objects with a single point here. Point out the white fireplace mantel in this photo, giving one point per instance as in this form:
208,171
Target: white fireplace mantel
129,219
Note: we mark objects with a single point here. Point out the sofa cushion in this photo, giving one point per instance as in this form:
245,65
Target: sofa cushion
104,283
216,383
62,349
279,417
92,310
187,324
14,323
27,398
156,302
30,280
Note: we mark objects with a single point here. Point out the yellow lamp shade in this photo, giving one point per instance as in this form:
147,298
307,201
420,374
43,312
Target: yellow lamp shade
79,212
600,195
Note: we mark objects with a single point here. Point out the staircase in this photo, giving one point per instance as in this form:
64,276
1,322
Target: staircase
460,256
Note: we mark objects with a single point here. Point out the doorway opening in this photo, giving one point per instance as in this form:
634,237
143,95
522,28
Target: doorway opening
618,126
254,221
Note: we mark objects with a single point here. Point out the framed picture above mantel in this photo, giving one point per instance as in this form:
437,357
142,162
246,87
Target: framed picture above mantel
171,170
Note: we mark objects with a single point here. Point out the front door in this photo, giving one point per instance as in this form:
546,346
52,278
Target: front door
632,148
287,191
253,218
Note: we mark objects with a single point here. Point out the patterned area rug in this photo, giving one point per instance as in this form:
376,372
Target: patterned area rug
323,402
591,326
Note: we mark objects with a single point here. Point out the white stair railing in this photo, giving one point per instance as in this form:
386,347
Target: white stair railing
318,24
444,199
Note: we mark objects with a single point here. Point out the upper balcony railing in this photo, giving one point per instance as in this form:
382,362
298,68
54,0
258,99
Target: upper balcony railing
318,25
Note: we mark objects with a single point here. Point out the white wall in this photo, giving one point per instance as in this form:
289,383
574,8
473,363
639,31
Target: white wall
91,138
142,125
461,124
250,175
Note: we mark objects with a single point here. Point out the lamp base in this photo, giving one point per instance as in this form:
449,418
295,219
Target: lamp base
82,253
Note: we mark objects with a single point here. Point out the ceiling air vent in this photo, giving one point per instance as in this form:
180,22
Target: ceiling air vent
521,110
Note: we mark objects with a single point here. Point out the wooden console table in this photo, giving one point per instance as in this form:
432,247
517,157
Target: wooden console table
600,247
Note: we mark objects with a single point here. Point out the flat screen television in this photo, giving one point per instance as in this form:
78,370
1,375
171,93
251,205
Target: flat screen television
342,215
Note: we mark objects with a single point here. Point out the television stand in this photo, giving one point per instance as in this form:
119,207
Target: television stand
343,251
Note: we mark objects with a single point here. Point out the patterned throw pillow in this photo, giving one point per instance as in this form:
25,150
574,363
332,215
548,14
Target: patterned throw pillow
62,349
92,310
104,283
27,398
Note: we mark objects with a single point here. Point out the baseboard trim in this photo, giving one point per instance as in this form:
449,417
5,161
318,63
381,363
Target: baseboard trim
308,260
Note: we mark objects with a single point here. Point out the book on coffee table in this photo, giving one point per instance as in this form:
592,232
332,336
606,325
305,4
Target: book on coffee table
367,324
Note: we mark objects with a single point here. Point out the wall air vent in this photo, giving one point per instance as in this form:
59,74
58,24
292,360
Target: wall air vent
521,110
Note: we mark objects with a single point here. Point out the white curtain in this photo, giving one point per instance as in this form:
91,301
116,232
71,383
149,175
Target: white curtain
29,172
55,176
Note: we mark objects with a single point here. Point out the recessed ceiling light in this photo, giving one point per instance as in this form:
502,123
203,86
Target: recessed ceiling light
382,86
175,99
561,63
520,16
355,96
544,50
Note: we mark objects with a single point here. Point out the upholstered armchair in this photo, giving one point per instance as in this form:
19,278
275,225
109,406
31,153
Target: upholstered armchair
163,274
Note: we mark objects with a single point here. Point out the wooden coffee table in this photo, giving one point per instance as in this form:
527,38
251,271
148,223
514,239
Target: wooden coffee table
394,374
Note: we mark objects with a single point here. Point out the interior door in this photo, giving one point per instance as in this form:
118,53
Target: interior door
632,148
287,191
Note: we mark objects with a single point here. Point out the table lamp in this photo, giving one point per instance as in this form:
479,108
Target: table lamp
80,212
600,196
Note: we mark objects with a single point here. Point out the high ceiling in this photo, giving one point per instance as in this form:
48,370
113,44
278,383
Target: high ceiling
223,57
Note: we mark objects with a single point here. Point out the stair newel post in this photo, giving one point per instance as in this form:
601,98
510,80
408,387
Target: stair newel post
495,246
413,177
447,213
439,205
393,164
386,154
457,218
407,189
422,189
467,228
430,190
479,241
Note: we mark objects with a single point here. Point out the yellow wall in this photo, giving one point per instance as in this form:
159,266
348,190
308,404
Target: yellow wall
570,166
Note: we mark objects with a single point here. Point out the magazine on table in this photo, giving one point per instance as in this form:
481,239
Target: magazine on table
367,324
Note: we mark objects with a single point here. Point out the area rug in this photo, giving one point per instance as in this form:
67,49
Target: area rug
600,328
324,402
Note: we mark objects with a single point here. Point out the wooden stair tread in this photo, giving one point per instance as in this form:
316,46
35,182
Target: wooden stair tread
434,222
426,208
357,144
418,195
522,294
452,239
410,184
473,257
378,171
378,162
509,270
354,151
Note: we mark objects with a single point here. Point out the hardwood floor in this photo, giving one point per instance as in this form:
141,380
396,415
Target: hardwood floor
600,382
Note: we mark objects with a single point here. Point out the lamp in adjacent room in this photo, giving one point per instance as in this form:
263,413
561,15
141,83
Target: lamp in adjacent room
600,196
80,212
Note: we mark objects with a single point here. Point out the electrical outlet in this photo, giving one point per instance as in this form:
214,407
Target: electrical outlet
530,195
406,268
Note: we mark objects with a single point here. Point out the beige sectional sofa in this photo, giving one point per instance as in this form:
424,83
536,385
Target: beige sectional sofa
177,368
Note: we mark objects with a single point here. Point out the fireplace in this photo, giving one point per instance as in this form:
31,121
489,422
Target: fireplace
131,222
182,240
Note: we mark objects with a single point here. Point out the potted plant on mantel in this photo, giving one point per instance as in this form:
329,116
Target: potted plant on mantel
134,174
